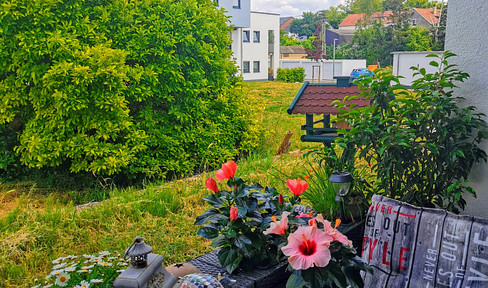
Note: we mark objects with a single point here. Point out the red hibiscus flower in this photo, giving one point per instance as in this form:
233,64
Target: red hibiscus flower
281,200
297,187
228,171
212,185
233,213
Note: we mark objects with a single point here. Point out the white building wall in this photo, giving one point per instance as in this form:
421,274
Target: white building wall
238,10
324,68
253,51
402,61
467,36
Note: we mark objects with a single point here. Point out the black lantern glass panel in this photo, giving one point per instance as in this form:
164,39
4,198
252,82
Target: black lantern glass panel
138,253
341,182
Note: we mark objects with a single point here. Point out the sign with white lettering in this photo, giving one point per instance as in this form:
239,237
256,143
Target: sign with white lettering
415,247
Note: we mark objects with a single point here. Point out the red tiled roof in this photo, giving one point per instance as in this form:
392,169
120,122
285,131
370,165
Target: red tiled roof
353,19
317,99
428,14
286,23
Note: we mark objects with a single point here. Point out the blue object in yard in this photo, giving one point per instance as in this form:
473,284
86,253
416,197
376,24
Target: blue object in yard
356,73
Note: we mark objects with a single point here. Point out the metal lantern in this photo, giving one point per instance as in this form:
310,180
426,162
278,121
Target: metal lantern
138,253
341,182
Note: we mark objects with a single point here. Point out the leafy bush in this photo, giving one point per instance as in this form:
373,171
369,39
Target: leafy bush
421,143
291,75
143,88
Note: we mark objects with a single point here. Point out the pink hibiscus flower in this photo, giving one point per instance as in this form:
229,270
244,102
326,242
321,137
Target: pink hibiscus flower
333,232
278,227
308,247
297,187
228,171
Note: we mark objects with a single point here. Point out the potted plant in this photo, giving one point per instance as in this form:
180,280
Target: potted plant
238,218
244,223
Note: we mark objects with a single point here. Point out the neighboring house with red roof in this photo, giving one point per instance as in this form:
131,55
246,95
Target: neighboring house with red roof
352,20
316,100
425,17
285,23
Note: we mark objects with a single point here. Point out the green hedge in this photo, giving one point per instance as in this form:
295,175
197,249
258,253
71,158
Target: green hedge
142,88
291,75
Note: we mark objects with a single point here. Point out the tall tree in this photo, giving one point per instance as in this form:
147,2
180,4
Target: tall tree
438,30
419,39
394,5
334,15
367,6
306,25
419,4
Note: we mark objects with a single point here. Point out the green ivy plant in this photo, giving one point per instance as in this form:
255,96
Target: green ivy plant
421,143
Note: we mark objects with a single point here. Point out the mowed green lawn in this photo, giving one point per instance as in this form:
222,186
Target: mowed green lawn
36,228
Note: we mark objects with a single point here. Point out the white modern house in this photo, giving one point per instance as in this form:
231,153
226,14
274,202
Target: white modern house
255,39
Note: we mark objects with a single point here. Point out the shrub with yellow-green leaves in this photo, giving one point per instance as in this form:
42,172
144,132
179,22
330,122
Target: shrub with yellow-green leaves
142,88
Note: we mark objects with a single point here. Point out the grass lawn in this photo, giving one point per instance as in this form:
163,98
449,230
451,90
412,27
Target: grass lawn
37,227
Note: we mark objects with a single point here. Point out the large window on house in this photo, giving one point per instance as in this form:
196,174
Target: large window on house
256,36
237,4
245,36
255,66
245,67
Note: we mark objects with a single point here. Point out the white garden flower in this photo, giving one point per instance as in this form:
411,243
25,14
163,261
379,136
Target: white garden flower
83,284
37,286
120,271
104,263
62,279
58,260
54,273
104,253
96,259
88,256
47,286
96,281
87,267
59,266
84,270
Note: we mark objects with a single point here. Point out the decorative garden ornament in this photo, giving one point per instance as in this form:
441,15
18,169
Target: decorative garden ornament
137,252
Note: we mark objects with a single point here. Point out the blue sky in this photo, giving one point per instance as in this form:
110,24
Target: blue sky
292,7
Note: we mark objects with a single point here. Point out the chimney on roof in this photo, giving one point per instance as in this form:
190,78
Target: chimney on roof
342,81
